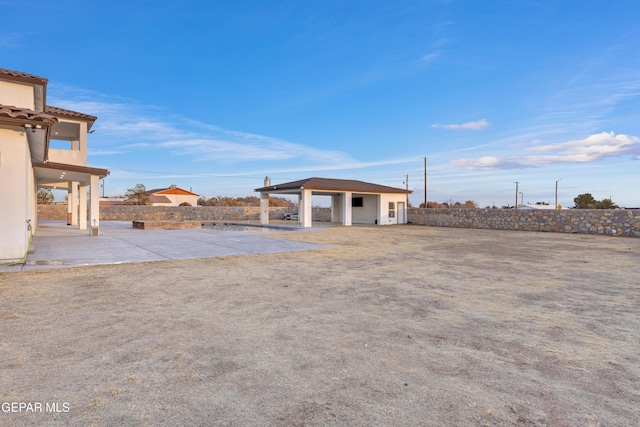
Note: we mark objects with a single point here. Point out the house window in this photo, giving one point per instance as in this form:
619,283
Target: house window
357,202
392,210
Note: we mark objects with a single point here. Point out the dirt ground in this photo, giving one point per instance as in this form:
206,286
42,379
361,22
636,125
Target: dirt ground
392,326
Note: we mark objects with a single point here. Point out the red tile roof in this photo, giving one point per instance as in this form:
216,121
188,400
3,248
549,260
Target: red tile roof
171,190
23,114
23,77
57,111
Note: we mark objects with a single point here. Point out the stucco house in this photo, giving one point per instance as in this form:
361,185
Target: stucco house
352,202
41,146
172,196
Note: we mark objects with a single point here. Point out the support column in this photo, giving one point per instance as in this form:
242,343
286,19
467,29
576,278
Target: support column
346,208
95,205
73,203
264,208
336,208
306,210
83,207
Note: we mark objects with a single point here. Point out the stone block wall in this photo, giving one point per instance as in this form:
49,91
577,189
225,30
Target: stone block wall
178,213
53,211
617,222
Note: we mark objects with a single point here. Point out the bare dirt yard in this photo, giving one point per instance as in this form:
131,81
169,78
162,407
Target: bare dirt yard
391,326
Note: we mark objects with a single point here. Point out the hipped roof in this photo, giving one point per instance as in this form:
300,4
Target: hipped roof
331,184
171,190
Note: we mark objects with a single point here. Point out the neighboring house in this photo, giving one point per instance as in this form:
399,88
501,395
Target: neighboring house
352,202
538,207
172,196
41,146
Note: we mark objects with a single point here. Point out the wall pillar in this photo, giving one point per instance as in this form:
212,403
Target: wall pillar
83,207
346,208
336,207
305,213
72,204
95,205
264,208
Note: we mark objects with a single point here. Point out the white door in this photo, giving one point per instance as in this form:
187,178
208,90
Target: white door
402,214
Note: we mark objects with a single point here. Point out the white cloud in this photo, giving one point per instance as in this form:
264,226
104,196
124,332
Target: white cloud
429,57
590,149
129,127
594,147
488,162
476,125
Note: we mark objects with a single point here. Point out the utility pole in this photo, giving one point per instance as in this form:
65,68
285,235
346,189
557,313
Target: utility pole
556,206
406,209
516,183
521,198
425,182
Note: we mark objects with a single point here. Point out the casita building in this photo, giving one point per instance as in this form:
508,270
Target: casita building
352,202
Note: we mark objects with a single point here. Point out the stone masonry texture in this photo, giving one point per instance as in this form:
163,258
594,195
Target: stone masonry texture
618,222
58,211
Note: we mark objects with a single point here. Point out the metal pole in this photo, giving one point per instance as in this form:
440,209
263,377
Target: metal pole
425,182
516,183
406,206
556,206
521,198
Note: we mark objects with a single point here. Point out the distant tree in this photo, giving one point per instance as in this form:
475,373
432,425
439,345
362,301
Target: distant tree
281,202
585,201
470,204
137,195
606,204
276,202
45,196
185,204
542,203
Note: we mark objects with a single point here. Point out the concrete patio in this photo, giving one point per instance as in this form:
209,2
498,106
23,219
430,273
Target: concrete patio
56,245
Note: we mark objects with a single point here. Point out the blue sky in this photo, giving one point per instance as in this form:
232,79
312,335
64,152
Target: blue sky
215,95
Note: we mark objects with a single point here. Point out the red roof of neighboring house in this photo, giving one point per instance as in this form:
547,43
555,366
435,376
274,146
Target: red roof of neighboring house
171,190
330,184
158,199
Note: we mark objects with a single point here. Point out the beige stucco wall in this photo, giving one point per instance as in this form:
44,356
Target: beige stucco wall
385,199
376,207
16,192
69,157
176,199
77,152
368,213
17,95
